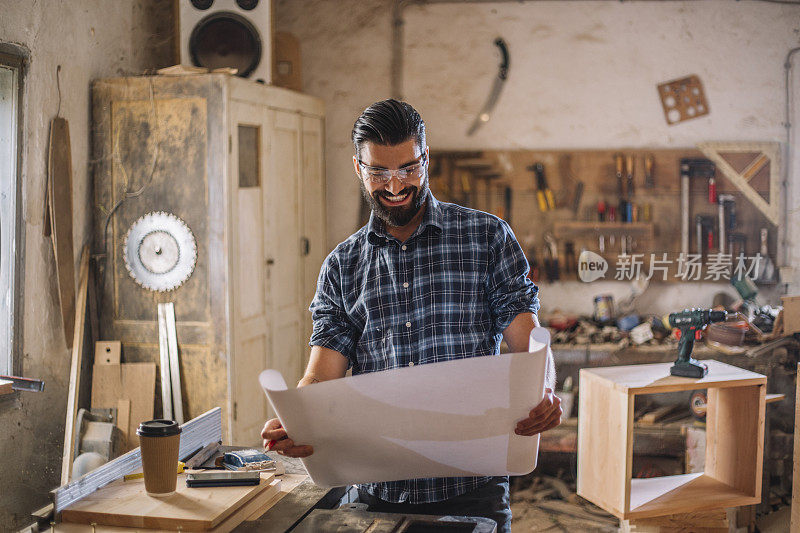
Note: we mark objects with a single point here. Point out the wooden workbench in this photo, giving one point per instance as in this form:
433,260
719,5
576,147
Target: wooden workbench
282,516
296,505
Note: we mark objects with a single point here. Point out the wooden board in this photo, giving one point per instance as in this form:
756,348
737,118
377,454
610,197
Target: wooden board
288,483
796,474
126,504
683,494
75,368
59,198
134,382
107,353
715,521
605,444
6,387
734,437
638,379
683,99
270,495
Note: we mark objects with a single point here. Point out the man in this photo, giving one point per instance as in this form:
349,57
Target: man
422,282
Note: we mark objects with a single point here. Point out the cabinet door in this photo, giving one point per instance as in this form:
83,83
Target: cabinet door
284,247
251,198
313,195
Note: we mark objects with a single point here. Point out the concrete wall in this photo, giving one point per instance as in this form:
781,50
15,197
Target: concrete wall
89,39
582,75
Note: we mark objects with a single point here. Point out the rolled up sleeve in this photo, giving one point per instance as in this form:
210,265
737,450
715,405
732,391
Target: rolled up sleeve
509,289
332,327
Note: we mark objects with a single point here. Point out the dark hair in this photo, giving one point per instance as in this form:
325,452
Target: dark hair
388,123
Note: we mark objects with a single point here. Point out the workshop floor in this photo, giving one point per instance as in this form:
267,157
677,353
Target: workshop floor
544,503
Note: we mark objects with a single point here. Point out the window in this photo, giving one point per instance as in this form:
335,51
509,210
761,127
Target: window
10,224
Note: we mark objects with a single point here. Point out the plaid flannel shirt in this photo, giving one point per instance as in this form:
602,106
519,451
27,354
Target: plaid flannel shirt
446,293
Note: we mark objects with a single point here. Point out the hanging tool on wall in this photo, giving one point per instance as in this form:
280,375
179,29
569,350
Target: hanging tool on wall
727,218
485,113
649,166
551,258
691,168
601,211
705,233
629,172
507,203
570,261
737,244
576,200
543,193
619,161
766,268
566,175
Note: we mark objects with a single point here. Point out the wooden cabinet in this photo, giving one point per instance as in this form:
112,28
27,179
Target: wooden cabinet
734,441
241,164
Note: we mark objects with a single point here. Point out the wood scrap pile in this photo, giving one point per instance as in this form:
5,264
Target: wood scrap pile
587,332
546,503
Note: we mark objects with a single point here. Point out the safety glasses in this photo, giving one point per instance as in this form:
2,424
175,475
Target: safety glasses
384,175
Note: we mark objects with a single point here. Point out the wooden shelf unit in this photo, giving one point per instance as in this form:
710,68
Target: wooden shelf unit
734,445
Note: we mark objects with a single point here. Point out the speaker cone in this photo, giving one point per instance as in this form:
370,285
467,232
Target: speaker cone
202,4
225,39
247,5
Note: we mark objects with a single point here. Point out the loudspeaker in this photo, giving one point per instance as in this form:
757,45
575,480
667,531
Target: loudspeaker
227,33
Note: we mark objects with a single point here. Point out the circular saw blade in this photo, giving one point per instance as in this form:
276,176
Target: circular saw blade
160,251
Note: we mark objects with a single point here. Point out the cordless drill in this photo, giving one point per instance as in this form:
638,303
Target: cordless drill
689,321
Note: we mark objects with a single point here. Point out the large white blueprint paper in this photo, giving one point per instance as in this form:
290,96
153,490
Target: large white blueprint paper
454,418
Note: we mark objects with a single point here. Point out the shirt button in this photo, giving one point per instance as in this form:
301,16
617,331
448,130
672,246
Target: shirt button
408,324
405,285
411,363
403,247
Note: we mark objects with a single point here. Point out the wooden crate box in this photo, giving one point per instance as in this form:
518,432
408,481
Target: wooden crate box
734,447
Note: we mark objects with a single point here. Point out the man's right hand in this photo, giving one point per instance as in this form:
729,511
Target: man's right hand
274,433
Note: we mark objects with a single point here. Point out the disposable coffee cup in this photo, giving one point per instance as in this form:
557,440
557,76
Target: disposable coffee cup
159,441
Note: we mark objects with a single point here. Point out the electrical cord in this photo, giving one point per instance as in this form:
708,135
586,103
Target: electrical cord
128,193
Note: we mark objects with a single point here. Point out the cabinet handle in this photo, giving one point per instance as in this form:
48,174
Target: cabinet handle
306,245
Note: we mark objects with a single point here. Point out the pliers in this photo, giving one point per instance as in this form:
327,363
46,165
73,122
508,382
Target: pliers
543,193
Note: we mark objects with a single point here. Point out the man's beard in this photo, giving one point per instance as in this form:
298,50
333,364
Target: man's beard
401,215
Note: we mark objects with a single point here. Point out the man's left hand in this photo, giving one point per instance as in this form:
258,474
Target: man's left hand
544,416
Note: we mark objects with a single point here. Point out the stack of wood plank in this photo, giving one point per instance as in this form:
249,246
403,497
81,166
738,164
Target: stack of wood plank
124,506
128,387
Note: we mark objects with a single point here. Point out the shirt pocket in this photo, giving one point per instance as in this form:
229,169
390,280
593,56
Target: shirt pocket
376,348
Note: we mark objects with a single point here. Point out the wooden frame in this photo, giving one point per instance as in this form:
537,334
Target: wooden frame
769,153
734,448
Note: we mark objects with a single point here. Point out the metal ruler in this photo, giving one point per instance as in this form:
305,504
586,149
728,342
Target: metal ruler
195,434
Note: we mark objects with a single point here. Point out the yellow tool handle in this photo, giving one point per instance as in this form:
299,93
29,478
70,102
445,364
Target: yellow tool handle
181,466
551,203
648,163
629,164
619,159
542,200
